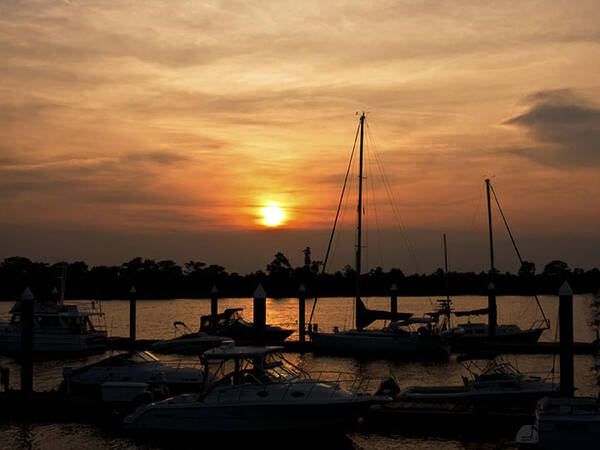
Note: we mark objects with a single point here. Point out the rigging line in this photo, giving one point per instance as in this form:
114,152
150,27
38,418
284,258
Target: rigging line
395,210
374,202
512,239
336,219
396,213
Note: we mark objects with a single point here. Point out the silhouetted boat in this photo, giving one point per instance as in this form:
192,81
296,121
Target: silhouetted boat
57,327
494,385
231,324
393,341
563,423
188,342
132,367
260,392
466,334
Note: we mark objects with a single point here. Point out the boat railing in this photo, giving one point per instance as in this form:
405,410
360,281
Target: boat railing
302,390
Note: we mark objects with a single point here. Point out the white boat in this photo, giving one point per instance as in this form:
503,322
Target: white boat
563,423
188,342
493,385
254,390
132,367
393,341
57,328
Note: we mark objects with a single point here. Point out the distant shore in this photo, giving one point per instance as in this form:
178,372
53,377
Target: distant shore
167,280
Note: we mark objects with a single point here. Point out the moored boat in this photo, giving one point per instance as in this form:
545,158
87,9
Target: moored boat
253,390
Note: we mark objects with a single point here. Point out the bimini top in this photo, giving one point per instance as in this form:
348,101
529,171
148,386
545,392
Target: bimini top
230,351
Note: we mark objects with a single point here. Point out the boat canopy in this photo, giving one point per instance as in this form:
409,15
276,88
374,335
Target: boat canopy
235,352
473,312
364,316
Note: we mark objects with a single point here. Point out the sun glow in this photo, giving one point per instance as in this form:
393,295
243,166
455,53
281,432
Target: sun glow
273,214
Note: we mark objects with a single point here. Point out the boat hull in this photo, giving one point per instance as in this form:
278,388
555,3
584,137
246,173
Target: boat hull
393,346
10,342
251,418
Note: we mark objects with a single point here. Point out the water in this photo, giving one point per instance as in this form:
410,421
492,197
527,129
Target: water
155,318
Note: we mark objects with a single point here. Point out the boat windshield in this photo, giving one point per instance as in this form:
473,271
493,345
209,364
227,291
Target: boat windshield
143,357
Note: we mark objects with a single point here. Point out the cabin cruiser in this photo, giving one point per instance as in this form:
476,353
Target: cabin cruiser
230,323
563,422
254,389
57,327
475,333
493,384
188,342
132,367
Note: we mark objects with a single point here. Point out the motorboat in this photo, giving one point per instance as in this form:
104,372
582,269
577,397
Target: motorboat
231,324
132,367
397,340
493,384
562,423
254,390
188,342
476,333
58,327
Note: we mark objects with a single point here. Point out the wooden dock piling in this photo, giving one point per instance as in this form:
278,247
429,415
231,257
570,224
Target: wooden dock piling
214,308
27,343
260,313
132,316
565,314
394,298
301,313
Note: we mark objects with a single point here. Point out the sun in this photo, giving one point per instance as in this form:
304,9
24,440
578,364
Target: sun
273,214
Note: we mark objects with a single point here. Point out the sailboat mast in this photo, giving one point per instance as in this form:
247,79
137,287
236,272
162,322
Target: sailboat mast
359,211
446,268
492,309
489,207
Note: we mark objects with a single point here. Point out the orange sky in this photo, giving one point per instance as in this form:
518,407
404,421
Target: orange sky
174,116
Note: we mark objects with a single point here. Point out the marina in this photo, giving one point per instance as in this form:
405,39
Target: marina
415,417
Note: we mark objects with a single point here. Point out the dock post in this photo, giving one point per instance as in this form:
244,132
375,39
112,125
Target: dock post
492,312
394,298
132,317
27,343
214,308
565,317
260,313
5,378
301,313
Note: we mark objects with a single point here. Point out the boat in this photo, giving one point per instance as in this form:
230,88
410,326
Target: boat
397,340
493,385
563,423
188,342
254,389
231,324
58,327
131,367
466,334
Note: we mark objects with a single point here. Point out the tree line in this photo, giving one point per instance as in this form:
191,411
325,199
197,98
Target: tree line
166,279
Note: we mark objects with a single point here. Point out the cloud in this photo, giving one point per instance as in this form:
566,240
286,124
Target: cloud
566,126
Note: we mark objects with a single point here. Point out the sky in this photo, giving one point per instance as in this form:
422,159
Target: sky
161,128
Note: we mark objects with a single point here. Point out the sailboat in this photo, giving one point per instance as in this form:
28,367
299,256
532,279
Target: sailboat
394,341
465,334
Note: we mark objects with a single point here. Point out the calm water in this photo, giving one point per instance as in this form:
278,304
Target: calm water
155,318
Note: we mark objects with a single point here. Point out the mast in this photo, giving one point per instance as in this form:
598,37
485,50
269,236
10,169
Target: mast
447,306
492,310
359,223
489,208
